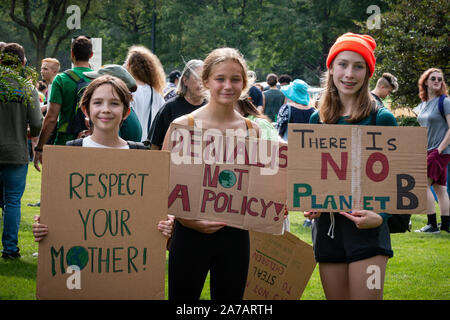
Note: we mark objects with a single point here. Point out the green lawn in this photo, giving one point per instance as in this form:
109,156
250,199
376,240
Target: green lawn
419,269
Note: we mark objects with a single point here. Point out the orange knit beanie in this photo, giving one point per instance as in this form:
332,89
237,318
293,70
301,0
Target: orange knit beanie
362,44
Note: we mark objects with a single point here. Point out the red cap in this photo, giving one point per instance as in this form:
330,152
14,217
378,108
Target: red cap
361,43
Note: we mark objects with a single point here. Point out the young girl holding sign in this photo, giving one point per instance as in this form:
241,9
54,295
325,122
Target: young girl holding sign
106,102
201,246
352,248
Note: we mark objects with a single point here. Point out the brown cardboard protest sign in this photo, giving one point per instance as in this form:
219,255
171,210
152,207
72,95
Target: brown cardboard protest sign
230,178
102,207
280,267
340,168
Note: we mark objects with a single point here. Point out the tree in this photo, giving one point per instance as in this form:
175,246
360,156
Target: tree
51,16
413,37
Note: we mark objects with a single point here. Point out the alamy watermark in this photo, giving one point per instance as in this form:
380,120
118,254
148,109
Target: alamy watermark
74,280
236,146
374,280
374,20
74,20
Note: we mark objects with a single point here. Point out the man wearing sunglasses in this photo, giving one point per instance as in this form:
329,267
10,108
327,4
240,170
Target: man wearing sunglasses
63,98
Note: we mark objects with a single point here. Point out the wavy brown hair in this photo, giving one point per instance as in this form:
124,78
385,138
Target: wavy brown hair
423,92
146,67
330,105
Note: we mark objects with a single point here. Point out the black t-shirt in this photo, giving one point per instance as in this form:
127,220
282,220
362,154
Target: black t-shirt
172,109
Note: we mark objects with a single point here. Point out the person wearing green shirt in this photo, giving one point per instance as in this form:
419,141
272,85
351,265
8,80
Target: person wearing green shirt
63,98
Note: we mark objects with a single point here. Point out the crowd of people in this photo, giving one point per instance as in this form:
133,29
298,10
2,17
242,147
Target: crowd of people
131,106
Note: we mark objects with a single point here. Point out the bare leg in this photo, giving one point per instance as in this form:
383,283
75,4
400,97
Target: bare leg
366,278
442,195
334,277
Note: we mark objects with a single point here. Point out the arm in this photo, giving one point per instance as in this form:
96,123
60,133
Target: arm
48,126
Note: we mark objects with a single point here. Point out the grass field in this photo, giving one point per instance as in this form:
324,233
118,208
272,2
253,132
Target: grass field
419,269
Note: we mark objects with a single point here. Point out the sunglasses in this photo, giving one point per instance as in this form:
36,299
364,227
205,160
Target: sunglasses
439,79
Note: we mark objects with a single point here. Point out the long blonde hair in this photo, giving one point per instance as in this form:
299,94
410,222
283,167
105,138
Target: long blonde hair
146,67
330,105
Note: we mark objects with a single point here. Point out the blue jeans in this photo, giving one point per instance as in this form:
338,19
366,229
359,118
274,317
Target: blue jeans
14,180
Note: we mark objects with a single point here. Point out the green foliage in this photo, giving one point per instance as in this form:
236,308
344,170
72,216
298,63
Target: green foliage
413,37
407,121
15,77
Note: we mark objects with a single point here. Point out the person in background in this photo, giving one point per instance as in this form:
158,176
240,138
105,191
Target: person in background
170,90
433,92
19,111
189,97
386,85
274,99
284,79
148,72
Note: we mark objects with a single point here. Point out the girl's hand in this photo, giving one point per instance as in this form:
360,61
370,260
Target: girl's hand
39,230
364,219
311,214
202,225
166,226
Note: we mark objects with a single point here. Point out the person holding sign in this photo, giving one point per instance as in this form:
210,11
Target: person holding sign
201,246
106,102
434,113
348,244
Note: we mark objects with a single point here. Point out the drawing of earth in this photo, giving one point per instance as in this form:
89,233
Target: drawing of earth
77,256
227,178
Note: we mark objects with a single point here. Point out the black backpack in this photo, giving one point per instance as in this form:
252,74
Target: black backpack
398,223
76,123
131,144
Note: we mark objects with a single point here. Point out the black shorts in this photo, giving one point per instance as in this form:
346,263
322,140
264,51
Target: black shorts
224,253
349,244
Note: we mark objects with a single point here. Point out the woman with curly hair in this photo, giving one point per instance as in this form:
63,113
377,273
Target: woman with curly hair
148,72
433,92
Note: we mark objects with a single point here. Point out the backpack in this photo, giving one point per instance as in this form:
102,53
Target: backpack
397,223
131,144
285,135
441,106
76,123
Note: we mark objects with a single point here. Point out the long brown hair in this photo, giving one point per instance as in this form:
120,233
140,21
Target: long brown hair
423,92
330,105
146,67
248,109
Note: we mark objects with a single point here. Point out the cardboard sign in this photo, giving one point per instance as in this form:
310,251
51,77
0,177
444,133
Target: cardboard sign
102,208
280,267
340,168
235,179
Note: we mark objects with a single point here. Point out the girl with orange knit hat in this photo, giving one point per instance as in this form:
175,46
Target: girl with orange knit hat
349,246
